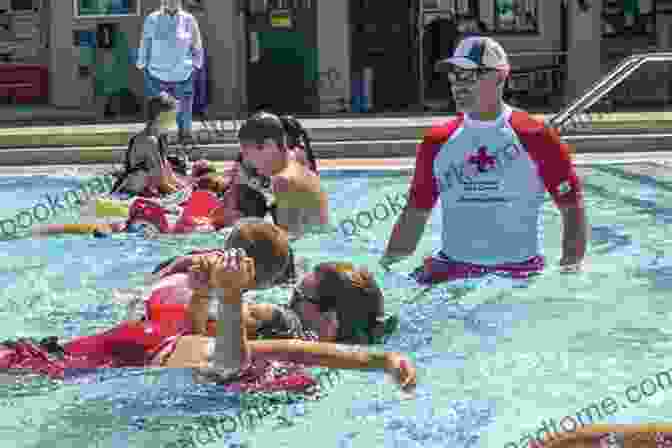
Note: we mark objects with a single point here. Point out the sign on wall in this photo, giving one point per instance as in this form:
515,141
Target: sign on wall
628,17
517,16
91,8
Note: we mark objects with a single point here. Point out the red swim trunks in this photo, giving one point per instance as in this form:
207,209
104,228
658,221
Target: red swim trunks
441,268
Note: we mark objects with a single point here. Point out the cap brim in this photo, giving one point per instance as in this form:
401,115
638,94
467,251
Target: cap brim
447,64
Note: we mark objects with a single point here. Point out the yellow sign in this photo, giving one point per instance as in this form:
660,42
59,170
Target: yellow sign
281,19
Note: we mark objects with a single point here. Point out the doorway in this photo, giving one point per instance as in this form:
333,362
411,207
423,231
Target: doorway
384,38
282,69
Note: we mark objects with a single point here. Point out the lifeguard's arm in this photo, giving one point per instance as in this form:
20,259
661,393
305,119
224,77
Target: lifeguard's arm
557,171
407,232
574,234
422,196
334,356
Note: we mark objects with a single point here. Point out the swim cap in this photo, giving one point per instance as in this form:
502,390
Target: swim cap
267,244
262,126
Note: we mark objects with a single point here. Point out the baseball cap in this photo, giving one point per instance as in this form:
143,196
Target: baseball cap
476,52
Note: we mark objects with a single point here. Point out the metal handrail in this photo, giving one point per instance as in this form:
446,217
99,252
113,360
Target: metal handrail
560,118
603,86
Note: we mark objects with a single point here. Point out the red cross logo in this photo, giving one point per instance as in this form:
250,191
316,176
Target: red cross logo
483,160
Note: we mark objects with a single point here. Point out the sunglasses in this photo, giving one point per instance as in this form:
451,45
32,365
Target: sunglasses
360,331
470,76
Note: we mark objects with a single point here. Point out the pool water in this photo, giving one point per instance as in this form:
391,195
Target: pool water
495,357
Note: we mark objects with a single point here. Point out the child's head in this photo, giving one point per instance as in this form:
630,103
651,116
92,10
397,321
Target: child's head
342,302
267,244
263,142
162,111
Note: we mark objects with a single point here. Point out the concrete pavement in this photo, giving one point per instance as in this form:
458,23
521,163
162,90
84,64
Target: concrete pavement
333,138
326,129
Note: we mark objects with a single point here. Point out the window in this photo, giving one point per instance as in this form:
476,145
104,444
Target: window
517,16
22,5
628,17
459,8
105,8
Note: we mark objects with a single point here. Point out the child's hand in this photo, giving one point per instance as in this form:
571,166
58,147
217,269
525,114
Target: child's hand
229,270
402,369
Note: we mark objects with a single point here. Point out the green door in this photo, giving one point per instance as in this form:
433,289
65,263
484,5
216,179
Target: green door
282,67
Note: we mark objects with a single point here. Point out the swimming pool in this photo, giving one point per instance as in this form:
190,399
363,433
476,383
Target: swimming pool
495,358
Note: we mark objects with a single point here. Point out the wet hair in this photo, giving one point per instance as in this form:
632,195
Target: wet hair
261,126
267,244
158,104
263,241
357,299
297,136
286,131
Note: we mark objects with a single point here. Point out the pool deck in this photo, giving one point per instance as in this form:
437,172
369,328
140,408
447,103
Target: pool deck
662,158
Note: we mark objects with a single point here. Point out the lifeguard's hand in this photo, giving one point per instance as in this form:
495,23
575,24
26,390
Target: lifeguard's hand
228,270
570,265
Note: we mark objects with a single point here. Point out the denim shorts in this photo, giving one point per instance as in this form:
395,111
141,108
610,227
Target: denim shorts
179,89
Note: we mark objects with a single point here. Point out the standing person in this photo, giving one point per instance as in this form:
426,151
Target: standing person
491,166
170,50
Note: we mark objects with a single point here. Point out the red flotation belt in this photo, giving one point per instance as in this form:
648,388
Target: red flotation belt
126,345
199,205
133,344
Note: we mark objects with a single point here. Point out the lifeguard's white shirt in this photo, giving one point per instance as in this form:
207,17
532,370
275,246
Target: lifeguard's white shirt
492,178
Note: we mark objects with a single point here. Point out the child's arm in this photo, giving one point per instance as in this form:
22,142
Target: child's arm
86,229
335,356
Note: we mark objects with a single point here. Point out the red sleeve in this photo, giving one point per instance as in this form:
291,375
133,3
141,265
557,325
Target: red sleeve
554,162
424,190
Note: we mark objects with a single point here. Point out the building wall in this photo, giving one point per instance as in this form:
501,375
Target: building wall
66,88
333,43
223,33
584,64
223,38
549,38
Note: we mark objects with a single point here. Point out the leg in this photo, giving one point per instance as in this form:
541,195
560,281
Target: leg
184,92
